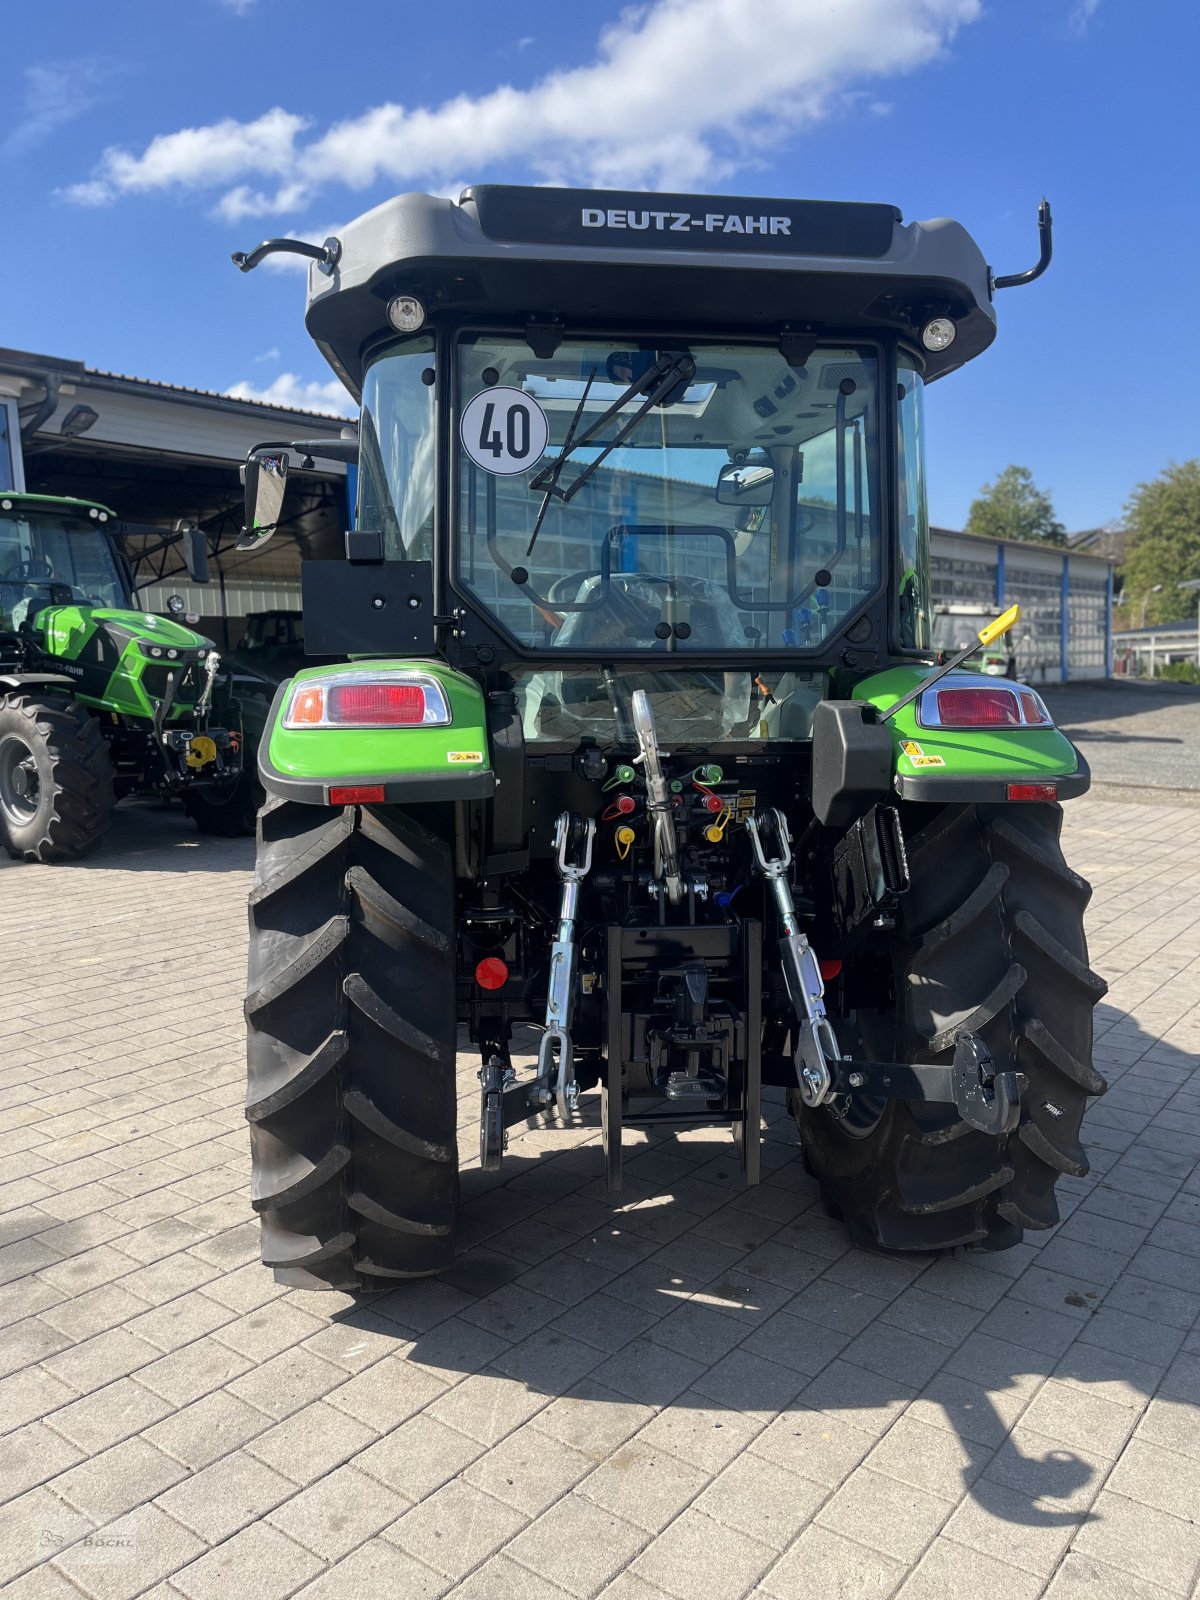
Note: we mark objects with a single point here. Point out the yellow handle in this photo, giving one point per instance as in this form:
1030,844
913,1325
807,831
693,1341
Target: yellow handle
1001,625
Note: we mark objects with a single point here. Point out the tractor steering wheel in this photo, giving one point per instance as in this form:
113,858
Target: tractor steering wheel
35,567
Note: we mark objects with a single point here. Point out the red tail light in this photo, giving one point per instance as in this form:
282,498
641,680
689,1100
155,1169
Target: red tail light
830,968
491,973
1032,791
356,794
385,705
978,708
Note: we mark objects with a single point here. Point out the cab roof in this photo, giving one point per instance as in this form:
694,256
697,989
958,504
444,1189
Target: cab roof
12,503
643,262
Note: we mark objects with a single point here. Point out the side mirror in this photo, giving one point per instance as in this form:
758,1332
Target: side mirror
195,552
266,479
750,485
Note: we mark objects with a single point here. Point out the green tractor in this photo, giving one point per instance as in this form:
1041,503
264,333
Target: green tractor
97,699
643,748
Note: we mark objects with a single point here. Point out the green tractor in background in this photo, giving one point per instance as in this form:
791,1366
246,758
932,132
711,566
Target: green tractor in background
97,699
645,763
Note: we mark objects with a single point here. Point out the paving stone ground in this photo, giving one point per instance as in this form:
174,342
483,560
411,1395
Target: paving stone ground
700,1391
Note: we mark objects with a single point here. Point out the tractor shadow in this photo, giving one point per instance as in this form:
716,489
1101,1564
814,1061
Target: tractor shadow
690,1292
149,835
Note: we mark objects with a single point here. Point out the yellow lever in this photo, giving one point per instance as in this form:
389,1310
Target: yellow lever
1001,625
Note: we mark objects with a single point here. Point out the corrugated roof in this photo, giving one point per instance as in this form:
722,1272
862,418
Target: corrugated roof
30,364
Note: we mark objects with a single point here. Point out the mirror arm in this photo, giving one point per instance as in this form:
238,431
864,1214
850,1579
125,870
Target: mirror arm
326,255
1046,241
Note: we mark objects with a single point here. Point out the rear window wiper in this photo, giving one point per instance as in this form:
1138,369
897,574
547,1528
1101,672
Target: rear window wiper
656,383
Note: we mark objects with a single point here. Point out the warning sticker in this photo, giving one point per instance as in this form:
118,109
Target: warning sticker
917,756
504,431
456,756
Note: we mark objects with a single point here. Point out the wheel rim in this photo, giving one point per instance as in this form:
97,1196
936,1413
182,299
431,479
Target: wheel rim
20,785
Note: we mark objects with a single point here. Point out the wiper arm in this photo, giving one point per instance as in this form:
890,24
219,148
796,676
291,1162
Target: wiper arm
660,379
556,466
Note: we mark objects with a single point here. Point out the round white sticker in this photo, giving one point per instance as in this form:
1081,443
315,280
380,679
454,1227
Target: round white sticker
504,431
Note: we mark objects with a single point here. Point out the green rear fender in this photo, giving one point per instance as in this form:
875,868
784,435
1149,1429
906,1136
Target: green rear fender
420,764
960,765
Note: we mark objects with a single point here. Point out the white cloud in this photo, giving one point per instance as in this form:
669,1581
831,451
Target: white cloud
244,202
56,93
679,93
196,158
240,8
295,394
272,354
1081,16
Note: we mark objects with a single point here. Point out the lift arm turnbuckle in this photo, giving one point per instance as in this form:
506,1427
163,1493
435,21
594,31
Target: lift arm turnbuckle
817,1047
555,1079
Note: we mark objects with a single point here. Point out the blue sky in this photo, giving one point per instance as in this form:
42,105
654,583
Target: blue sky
143,140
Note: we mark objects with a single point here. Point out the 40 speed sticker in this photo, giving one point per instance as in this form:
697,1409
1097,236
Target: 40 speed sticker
504,431
917,756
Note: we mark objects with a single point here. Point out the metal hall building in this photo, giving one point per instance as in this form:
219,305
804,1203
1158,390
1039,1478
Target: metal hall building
161,455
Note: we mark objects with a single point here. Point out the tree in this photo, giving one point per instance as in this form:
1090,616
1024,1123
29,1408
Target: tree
1015,508
1163,542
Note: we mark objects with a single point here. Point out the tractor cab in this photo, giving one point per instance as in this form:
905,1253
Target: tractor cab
56,552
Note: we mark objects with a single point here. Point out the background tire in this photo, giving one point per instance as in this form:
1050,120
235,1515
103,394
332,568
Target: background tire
56,778
992,940
229,815
351,1052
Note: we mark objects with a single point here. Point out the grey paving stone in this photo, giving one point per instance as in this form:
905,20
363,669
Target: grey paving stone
33,1527
950,1571
30,1455
1160,1478
823,1565
592,1419
1003,1523
761,1499
124,1557
338,1511
528,1470
1044,1470
696,1554
111,1414
455,1528
107,1485
1143,1541
207,1429
225,1496
259,1563
487,1409
1084,1578
818,1445
1076,1416
891,1517
29,1394
379,1570
502,1578
414,1459
936,1460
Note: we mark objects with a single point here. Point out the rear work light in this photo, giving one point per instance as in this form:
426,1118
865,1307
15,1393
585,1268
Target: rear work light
979,702
350,699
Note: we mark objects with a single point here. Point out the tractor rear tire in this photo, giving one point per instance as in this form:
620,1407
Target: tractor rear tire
351,1050
992,940
56,778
